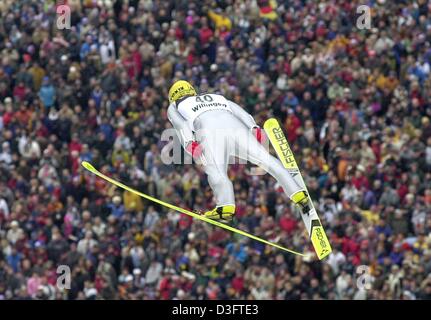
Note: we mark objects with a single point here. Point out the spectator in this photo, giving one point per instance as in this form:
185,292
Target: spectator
15,233
86,244
47,93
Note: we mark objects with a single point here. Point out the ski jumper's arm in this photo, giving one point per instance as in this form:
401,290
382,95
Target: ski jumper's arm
242,115
184,133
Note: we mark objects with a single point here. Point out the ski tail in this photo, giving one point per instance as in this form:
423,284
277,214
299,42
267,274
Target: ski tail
93,170
284,152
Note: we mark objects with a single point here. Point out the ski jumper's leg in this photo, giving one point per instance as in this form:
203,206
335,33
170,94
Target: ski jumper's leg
215,145
251,150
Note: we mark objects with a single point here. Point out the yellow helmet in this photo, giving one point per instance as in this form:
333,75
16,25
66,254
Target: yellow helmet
180,89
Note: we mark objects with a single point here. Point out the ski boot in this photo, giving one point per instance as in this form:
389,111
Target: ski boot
223,213
301,199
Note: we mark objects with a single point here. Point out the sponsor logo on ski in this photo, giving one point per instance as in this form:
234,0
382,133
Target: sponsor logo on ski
320,236
284,146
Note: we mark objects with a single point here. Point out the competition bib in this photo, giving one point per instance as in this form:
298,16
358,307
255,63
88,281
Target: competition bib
192,107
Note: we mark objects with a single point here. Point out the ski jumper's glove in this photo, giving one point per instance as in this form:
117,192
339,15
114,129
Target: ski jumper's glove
195,149
259,134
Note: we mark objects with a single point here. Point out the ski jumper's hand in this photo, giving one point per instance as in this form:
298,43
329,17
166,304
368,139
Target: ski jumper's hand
195,149
259,134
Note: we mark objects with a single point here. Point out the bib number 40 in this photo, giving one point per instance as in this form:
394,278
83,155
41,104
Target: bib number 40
204,98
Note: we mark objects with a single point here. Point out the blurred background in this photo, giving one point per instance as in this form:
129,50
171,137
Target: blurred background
354,103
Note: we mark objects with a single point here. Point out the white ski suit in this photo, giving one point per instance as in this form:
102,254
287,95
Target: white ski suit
224,130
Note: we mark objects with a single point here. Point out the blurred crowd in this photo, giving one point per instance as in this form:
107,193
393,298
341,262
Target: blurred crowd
354,103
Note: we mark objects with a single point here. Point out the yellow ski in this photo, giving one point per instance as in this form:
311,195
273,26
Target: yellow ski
90,168
311,220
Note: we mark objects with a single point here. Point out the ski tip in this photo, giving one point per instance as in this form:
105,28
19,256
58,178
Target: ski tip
88,166
271,122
